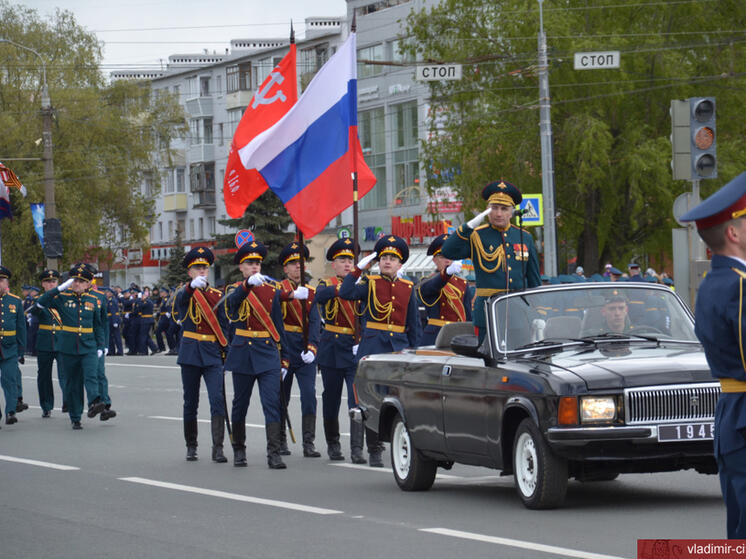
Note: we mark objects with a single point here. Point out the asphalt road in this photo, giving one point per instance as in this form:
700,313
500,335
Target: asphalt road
123,489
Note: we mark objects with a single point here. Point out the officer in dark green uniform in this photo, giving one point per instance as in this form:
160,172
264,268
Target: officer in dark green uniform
80,340
504,255
46,346
100,377
12,344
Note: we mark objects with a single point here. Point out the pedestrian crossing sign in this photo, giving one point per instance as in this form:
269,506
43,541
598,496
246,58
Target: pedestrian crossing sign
532,204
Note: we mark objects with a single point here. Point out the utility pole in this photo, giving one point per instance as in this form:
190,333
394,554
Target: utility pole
547,159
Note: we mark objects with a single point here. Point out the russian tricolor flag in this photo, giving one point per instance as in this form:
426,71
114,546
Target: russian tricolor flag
307,157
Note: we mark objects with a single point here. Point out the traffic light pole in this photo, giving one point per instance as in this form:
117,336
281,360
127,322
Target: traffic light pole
50,206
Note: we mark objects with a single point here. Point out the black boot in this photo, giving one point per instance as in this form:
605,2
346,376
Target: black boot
356,442
108,413
190,436
375,449
331,432
309,435
239,446
21,405
218,434
284,450
274,460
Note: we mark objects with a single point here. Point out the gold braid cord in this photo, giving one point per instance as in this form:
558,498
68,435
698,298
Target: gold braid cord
194,313
378,312
423,299
482,256
453,298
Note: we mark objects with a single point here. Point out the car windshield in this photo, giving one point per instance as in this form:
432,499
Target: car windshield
591,313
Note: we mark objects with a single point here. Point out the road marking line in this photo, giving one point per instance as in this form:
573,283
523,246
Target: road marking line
231,496
254,425
110,364
567,552
386,470
38,463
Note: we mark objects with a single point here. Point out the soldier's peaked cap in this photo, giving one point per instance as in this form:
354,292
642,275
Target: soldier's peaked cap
198,256
436,245
341,247
252,250
391,244
727,203
503,193
292,252
49,274
81,271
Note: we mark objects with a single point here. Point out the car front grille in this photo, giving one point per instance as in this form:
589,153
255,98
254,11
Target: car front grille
671,403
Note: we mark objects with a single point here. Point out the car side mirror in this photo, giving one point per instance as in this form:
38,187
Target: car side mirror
467,345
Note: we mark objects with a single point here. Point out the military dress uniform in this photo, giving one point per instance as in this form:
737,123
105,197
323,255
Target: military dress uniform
12,346
200,356
79,340
390,317
115,325
128,304
100,372
32,325
720,325
499,256
336,359
297,342
447,298
164,322
255,355
50,325
144,311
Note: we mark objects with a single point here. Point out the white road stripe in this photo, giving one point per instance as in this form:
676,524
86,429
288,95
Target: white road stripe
38,463
231,496
167,418
554,550
385,470
112,364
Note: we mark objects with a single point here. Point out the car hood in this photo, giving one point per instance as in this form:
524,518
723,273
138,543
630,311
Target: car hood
623,365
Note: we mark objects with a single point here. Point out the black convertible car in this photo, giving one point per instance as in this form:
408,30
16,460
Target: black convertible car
582,380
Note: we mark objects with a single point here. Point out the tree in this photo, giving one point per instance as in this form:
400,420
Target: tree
104,136
176,272
614,190
267,218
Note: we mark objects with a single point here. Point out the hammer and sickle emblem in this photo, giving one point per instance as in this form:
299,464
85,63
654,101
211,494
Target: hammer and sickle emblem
260,97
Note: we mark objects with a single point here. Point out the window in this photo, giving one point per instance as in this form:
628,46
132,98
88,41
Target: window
406,153
194,131
201,228
238,78
170,229
200,131
180,183
219,85
148,185
397,55
369,53
191,229
234,117
160,230
204,86
207,129
169,176
220,134
211,226
261,71
373,141
181,228
192,90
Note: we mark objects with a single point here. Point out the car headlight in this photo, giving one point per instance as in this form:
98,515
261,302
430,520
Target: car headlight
597,409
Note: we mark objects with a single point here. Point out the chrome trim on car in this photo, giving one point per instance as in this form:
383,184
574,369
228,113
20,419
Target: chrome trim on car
671,403
559,434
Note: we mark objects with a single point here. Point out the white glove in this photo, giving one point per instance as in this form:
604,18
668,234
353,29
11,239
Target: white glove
197,283
106,351
454,268
255,279
477,219
308,357
65,284
116,325
168,315
126,315
365,262
99,352
139,295
284,372
354,349
400,273
301,293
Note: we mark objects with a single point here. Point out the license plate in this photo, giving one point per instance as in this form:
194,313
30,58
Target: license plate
686,432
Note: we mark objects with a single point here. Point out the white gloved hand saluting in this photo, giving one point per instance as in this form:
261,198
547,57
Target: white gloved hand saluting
300,293
476,220
255,280
106,351
400,273
65,284
198,282
365,262
308,357
454,268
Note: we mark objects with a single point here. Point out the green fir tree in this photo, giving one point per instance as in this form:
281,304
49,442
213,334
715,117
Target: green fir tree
175,273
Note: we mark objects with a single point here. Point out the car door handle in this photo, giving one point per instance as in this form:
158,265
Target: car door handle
446,370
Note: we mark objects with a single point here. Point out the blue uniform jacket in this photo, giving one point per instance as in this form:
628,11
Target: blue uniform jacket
437,307
193,351
294,340
335,348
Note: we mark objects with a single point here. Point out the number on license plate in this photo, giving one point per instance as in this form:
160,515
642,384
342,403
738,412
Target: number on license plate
686,432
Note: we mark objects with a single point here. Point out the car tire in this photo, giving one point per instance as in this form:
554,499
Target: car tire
412,471
540,475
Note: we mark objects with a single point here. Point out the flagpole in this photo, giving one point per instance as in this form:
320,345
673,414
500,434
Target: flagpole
355,237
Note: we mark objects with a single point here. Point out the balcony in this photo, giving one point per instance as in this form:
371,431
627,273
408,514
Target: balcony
199,107
237,99
204,199
201,152
175,202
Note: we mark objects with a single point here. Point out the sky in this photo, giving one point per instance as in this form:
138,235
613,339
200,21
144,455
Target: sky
143,33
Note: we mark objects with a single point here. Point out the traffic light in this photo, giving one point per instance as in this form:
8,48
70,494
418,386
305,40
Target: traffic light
681,161
52,238
704,143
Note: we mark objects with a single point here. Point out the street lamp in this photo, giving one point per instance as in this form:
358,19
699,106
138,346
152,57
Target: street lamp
47,156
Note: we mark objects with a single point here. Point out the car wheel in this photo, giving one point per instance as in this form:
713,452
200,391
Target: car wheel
540,475
412,471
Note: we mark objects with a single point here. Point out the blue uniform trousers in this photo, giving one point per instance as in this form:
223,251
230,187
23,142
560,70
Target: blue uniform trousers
269,395
115,340
45,361
174,329
144,341
190,380
79,370
9,373
331,397
33,330
732,469
164,328
306,384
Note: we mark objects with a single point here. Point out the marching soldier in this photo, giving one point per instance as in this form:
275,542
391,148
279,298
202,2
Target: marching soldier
115,323
164,322
50,324
100,372
144,311
504,255
128,322
12,344
302,338
336,357
253,306
80,340
200,353
446,296
33,324
390,316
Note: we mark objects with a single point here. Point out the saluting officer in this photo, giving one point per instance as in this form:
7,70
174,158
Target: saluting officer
391,321
336,358
164,321
12,344
100,372
253,306
80,340
504,255
50,324
446,296
200,353
721,222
